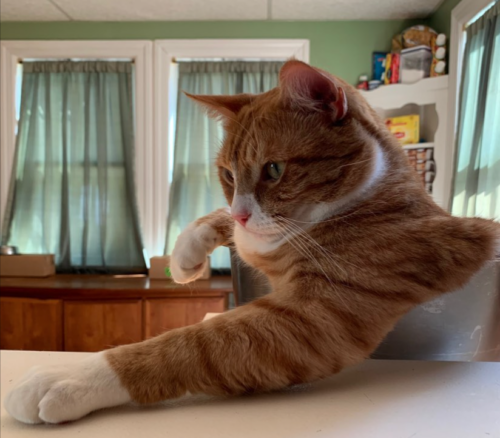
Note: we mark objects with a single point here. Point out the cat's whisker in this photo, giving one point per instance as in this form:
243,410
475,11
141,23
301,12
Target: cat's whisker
306,236
308,240
254,142
255,137
354,164
328,254
333,219
302,249
251,140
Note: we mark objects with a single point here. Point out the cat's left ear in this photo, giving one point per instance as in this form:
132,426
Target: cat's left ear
309,88
224,107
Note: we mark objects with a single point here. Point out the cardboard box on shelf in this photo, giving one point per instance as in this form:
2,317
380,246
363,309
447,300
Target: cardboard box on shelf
27,265
388,65
378,60
159,268
395,68
405,128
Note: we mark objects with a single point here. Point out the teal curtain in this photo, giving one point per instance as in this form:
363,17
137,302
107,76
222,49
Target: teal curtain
476,188
72,189
195,189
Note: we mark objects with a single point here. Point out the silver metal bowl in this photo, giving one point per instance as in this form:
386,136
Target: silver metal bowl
460,326
8,250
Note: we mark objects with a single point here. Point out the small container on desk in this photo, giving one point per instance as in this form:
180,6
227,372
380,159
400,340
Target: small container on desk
160,268
27,265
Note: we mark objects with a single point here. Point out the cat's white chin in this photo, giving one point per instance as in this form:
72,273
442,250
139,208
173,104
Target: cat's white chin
249,242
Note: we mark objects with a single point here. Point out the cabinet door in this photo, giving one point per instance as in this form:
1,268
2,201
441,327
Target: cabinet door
166,314
95,326
29,324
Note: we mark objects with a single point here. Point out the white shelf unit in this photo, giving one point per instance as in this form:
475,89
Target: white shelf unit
429,99
418,146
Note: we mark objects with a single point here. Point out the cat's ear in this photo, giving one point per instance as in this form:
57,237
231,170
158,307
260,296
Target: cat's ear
222,106
308,87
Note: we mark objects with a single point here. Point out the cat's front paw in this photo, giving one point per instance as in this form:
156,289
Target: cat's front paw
191,249
57,394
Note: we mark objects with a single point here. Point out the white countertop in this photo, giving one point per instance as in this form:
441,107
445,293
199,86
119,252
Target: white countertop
378,399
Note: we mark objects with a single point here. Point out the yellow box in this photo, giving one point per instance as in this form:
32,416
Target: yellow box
387,74
405,128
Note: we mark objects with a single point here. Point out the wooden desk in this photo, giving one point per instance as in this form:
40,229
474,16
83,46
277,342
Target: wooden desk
377,399
91,313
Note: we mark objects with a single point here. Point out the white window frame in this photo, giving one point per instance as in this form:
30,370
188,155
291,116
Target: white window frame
166,51
141,52
461,15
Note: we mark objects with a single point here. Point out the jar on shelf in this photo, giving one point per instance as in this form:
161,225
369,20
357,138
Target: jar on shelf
415,64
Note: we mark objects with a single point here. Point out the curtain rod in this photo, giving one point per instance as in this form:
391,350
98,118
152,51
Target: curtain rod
20,61
177,60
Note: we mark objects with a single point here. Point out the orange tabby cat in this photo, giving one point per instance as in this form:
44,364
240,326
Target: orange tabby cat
324,203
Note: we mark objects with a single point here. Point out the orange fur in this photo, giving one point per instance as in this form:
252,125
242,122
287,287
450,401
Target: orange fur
339,283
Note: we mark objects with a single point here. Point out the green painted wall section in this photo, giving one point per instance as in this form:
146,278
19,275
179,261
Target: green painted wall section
341,47
441,19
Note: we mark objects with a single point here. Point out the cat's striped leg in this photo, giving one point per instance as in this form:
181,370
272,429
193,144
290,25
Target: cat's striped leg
264,345
68,392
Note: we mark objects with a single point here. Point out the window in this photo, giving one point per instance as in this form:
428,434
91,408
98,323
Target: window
155,92
72,191
139,52
476,188
461,16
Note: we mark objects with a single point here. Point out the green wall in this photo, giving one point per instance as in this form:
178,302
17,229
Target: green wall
341,47
441,19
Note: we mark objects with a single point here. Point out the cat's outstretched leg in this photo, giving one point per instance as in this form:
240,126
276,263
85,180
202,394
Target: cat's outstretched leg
261,346
68,392
197,241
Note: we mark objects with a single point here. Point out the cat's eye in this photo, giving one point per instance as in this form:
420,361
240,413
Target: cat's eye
228,176
273,170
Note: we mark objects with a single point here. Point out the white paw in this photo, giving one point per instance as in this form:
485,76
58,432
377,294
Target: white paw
63,393
191,249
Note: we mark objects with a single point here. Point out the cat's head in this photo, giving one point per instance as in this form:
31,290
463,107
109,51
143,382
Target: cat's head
296,153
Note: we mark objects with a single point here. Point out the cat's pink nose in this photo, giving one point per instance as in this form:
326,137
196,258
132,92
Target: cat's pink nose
242,217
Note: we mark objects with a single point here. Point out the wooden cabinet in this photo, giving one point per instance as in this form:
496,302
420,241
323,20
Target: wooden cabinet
162,315
95,326
92,313
30,324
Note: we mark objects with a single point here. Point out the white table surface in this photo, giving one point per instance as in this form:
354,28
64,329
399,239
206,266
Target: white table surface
378,399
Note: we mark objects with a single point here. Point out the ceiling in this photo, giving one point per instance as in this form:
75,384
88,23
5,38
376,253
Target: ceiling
180,10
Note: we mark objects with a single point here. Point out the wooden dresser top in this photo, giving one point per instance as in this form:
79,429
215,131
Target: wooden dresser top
110,287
